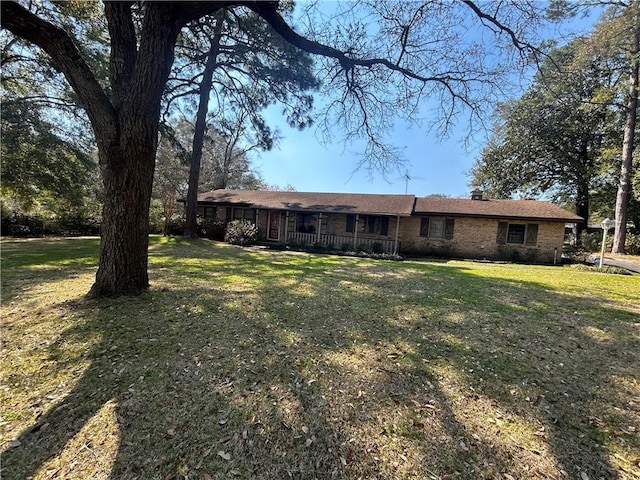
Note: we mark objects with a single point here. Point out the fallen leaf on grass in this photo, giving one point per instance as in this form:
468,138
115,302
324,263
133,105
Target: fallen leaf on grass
225,455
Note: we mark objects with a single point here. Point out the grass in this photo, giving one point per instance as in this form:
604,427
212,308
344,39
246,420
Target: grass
243,363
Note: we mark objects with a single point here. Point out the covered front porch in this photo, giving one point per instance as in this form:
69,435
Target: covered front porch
378,234
343,242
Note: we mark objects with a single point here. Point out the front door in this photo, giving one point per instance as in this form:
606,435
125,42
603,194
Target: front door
274,226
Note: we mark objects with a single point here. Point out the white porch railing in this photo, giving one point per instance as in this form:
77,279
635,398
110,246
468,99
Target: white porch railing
338,242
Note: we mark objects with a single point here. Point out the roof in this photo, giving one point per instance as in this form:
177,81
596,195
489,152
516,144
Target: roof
521,209
360,203
403,205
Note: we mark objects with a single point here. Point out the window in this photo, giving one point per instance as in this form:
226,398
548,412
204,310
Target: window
351,223
207,212
376,225
234,213
517,233
306,222
369,224
437,227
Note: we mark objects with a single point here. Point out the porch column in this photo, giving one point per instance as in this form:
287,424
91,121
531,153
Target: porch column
395,244
319,227
286,226
257,221
355,232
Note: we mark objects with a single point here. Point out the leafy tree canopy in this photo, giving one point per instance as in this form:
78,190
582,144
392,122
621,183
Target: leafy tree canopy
38,164
553,140
377,61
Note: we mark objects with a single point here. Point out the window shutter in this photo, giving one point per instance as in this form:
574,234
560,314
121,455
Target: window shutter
448,228
384,226
228,214
424,227
351,220
503,227
531,237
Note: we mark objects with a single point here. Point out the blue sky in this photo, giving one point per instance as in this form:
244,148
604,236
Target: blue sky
435,165
305,162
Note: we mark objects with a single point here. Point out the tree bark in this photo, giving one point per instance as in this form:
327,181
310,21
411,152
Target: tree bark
191,224
582,208
624,185
127,175
125,122
127,165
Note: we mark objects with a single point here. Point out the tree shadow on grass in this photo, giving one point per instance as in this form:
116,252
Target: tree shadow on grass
185,403
564,366
273,367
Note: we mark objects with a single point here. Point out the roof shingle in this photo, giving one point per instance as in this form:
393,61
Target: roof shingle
314,202
521,209
403,205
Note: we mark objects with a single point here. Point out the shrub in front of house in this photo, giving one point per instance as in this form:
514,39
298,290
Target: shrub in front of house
241,232
212,229
293,245
604,269
377,247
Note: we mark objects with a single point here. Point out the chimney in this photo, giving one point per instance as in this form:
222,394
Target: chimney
476,194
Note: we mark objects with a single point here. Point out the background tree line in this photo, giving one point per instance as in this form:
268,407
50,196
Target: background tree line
140,69
571,136
51,180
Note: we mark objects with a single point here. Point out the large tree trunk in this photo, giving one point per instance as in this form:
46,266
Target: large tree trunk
125,119
624,185
582,209
127,176
127,162
191,224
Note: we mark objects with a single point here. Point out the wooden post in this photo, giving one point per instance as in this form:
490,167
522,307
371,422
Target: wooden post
319,227
286,227
395,245
355,232
258,221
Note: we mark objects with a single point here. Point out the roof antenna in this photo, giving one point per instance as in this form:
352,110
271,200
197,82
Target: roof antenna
406,177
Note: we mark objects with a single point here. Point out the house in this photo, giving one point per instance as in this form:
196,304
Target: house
528,230
335,220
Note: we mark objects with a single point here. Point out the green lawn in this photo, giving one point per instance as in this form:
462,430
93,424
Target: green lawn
243,363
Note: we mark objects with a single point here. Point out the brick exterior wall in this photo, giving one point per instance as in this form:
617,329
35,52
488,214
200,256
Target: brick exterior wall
472,237
477,238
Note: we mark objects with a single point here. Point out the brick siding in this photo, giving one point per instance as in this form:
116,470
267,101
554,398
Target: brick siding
477,238
472,237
